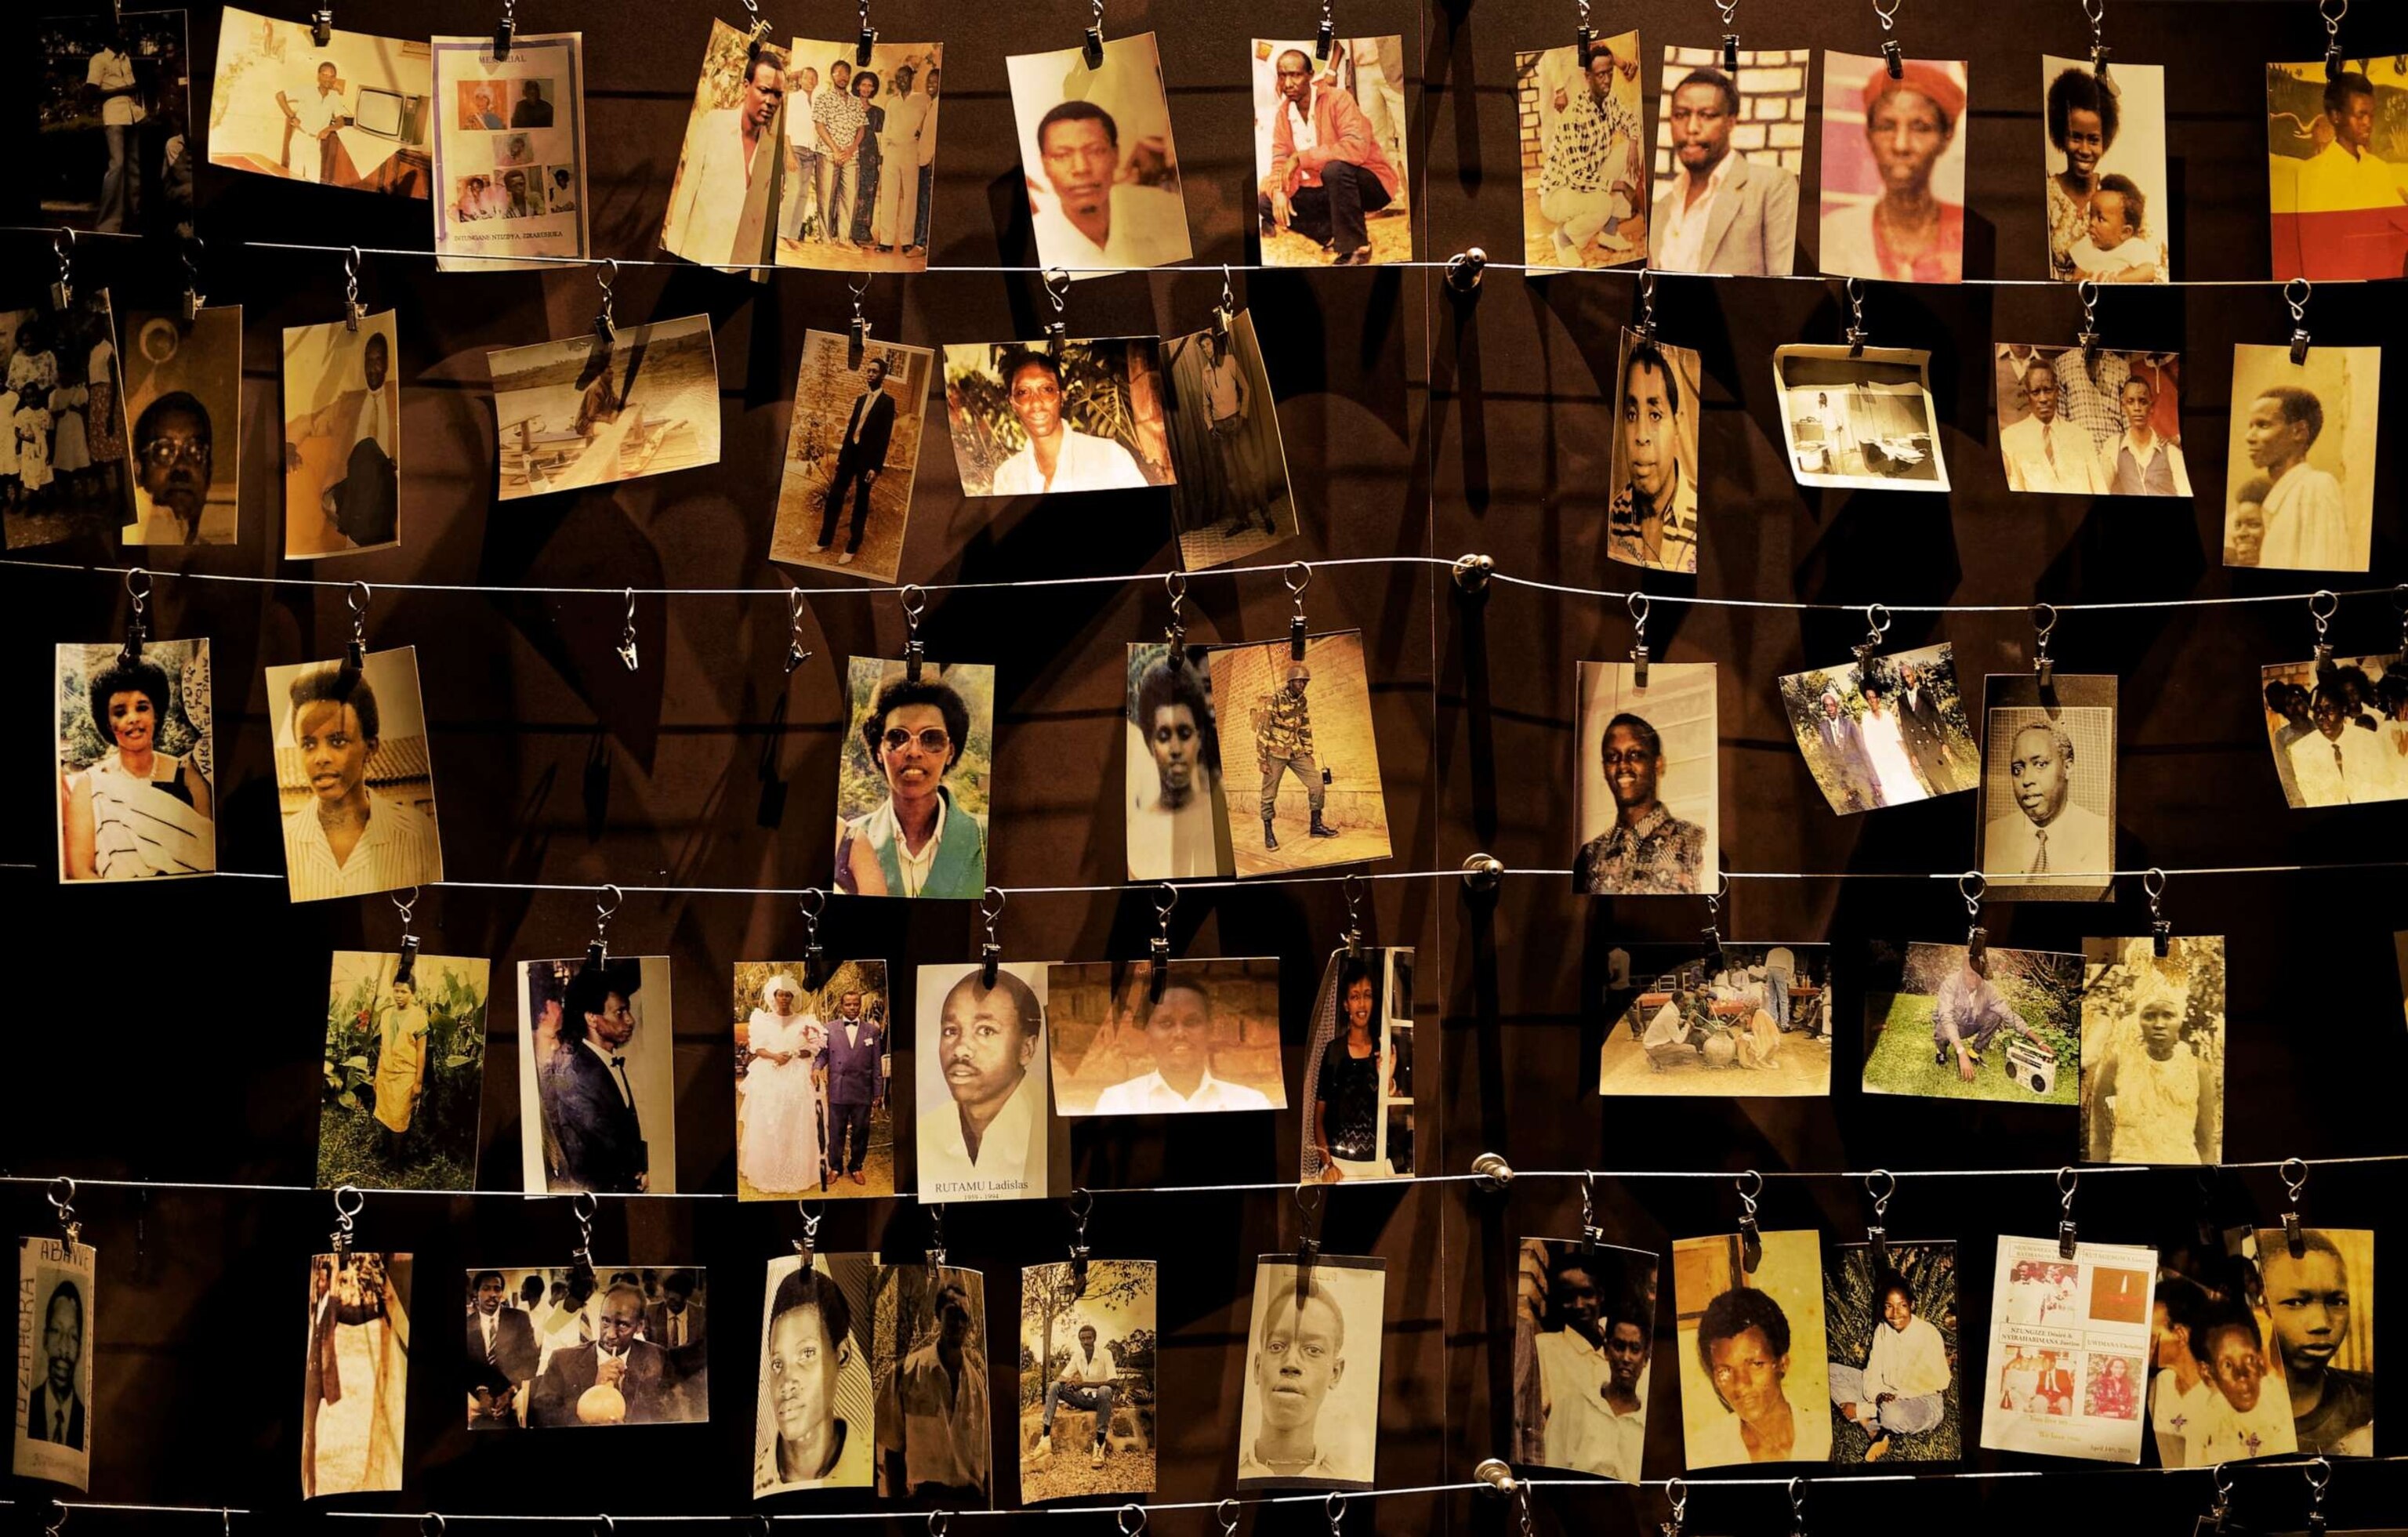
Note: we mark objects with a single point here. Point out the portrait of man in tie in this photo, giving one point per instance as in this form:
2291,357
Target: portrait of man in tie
54,1361
502,1357
2048,788
54,1409
851,447
595,1090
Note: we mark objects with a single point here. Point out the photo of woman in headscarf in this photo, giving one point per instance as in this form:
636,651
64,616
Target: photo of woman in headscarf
1893,201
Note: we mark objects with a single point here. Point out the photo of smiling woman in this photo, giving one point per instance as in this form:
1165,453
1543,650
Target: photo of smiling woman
354,776
2107,209
135,751
811,1424
911,788
1893,169
1754,1355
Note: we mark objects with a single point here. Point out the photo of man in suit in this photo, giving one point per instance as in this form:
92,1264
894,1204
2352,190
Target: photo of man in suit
1925,730
675,1323
55,1408
1843,743
501,1354
1722,211
852,1060
569,1393
588,1103
867,429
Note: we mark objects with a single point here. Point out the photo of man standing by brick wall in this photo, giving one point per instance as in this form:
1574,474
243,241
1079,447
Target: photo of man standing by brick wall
1730,149
1582,121
1308,721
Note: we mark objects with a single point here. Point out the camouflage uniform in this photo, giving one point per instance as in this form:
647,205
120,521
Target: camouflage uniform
1283,744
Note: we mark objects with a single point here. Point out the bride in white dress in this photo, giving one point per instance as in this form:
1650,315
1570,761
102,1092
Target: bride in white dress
1886,750
780,1148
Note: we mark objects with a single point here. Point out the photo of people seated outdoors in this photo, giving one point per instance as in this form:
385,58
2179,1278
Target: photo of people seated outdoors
1944,1025
1751,1020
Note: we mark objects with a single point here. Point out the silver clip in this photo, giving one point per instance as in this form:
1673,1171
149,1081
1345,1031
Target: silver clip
354,311
63,290
857,336
1751,1241
1583,38
192,296
1876,626
598,952
1353,886
2299,317
506,31
2220,1512
1798,1507
1166,897
1731,36
2294,1178
795,653
1226,1513
322,26
2067,1178
1131,1519
2400,601
812,899
2043,618
1225,313
915,603
2319,1477
1637,605
1878,1233
1334,1505
1324,35
1855,318
406,968
1057,330
583,1206
1891,53
1297,577
356,652
2161,929
991,952
1091,47
1591,1234
1647,307
2087,337
1970,886
810,1238
936,1250
136,628
1712,938
343,1215
627,634
2333,11
1676,1494
606,328
1082,1203
1175,582
63,1202
866,41
2097,11
2323,616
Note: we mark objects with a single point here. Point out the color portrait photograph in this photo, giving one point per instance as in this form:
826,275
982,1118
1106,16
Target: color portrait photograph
2153,1051
2080,421
1086,1391
1652,520
723,199
860,156
65,468
114,103
1892,1329
1178,822
184,391
1751,1020
1330,176
1311,1413
1026,420
1730,152
2300,495
812,1113
342,437
1206,1038
2108,213
1583,153
509,152
1861,420
1889,730
1308,721
1755,1374
914,783
1358,1069
1646,781
1893,169
1096,158
1231,498
404,1071
571,1348
814,1412
2337,168
852,451
1584,1343
2338,729
2048,788
355,780
357,113
982,1116
355,1384
2069,1339
55,1342
1941,1024
928,1360
596,1092
136,786
586,411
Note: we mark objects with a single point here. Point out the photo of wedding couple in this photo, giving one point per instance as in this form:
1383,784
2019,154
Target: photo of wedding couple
1885,731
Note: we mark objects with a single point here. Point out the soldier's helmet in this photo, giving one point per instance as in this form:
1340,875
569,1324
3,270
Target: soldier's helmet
1298,672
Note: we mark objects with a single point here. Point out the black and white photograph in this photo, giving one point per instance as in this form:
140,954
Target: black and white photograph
1027,419
1583,1343
2338,730
353,777
724,200
2299,494
356,1386
2048,787
929,1362
568,1347
2069,1342
982,1116
1646,781
1178,821
596,1096
1651,517
1205,1038
1753,1021
914,779
65,468
861,156
357,113
509,154
1754,1352
1330,175
1311,1413
1096,158
1231,498
342,437
1357,1106
1582,141
814,1412
586,411
54,1360
1084,1420
1320,799
852,453
184,391
1892,1329
2153,1051
1730,154
1852,423
2110,214
813,1114
2088,422
114,110
136,778
1943,1024
404,1070
1889,730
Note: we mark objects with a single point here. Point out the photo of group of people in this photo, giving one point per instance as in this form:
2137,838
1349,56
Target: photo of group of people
860,156
1764,1010
2338,729
510,151
2108,212
64,465
1887,730
1358,1069
1178,819
2305,431
358,113
596,1101
183,386
2082,421
1891,1320
570,1347
112,115
1100,171
1027,418
137,789
813,1061
1584,153
1330,171
814,1423
1855,417
2048,787
1310,1416
355,1384
984,1122
1583,1340
1894,168
2337,168
51,1426
1933,1013
2153,1051
1310,718
404,1071
914,784
1203,1037
353,777
1231,498
1085,1421
342,437
2263,1345
592,409
852,453
1646,795
2069,1345
1754,1350
1730,152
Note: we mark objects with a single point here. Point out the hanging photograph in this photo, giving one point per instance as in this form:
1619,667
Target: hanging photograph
342,437
1231,498
587,412
1178,822
1583,1340
861,157
853,449
404,1071
1026,420
914,779
2319,1303
1310,721
983,1097
183,387
725,198
1311,1415
2069,1346
1886,731
510,151
597,1101
115,108
1893,169
928,1359
54,1351
355,113
1358,1070
1583,154
2153,1051
1892,1329
1754,1356
1086,1392
564,1347
355,1384
1861,420
2223,1391
2301,496
812,1113
2048,788
353,777
2338,730
1686,1021
2399,942
65,468
2108,208
2089,421
1646,791
2337,168
1933,1015
1096,158
1331,176
1652,520
136,784
1208,1038
1730,152
814,1406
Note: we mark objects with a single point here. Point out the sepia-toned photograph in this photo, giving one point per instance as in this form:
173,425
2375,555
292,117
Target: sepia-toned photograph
404,1071
813,1425
2088,422
183,387
1330,175
355,1384
1584,1338
1686,1021
1311,1413
1889,731
113,107
861,156
1730,152
583,410
982,1116
1892,1329
929,1364
2258,1350
725,198
357,113
1231,498
1310,721
814,1056
1583,125
1933,1015
136,779
54,1352
616,1344
2319,1298
2153,1051
1893,169
2302,491
1861,421
1026,420
355,779
1178,822
597,1098
1652,519
2048,788
1358,1069
1206,1039
509,154
2340,730
1754,1383
1086,1394
1097,159
2067,1339
65,468
2337,168
852,449
2108,205
914,779
1646,793
342,437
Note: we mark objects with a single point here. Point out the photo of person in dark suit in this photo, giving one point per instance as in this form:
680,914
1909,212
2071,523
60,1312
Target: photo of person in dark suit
531,110
860,458
855,1051
54,1409
617,1379
588,1104
501,1354
675,1323
1843,751
1925,730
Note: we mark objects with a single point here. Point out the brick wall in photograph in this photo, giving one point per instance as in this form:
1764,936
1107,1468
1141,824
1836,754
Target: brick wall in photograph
1772,126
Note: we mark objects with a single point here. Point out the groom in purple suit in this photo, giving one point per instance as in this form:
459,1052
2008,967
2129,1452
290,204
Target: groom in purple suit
854,1048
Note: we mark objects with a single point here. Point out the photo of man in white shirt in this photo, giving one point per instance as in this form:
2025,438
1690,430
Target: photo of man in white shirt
984,1110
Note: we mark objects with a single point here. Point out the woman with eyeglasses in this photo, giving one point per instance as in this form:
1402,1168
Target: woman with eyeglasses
917,842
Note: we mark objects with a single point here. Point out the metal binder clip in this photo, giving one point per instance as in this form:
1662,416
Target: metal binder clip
341,1236
1176,631
1676,1495
1353,886
857,335
506,31
1225,314
1310,1198
1891,53
1647,308
1091,47
936,1250
2294,1178
2333,11
626,647
1798,1507
990,953
193,298
2161,929
1878,1234
354,311
1876,626
2299,317
1712,937
1082,1203
1731,37
1591,1234
810,1238
1297,577
2320,1475
1970,886
1057,330
796,654
2044,665
63,290
1323,36
1855,318
1167,899
812,900
2220,1512
406,969
2097,11
1637,605
322,25
2067,1178
355,653
1751,1241
868,40
2323,616
63,1202
137,587
605,329
2087,337
1583,37
915,655
598,952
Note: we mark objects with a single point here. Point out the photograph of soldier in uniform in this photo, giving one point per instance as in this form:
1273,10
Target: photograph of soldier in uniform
1314,750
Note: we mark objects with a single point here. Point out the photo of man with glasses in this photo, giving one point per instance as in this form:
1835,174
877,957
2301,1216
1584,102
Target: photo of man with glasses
919,839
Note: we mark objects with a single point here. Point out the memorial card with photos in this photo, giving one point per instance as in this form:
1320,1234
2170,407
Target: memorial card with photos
355,1376
568,1347
355,779
2299,495
1358,1070
2104,145
1887,730
2069,1343
1853,421
2339,728
1893,169
342,437
1029,418
64,464
136,784
184,391
1583,153
1651,517
1646,780
732,168
1308,721
55,1343
1751,1020
100,79
914,779
853,454
2336,149
1754,1373
510,151
1202,1037
861,153
590,410
1176,817
1742,132
1231,498
1311,1415
597,1096
2318,1297
355,113
1086,1402
1891,1324
1941,1026
1098,164
814,1423
813,1116
1330,139
982,1100
930,1356
404,1071
1584,1343
2089,421
2047,814
2153,1051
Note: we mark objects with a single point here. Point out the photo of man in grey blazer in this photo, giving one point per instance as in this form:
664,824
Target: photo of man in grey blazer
1722,211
